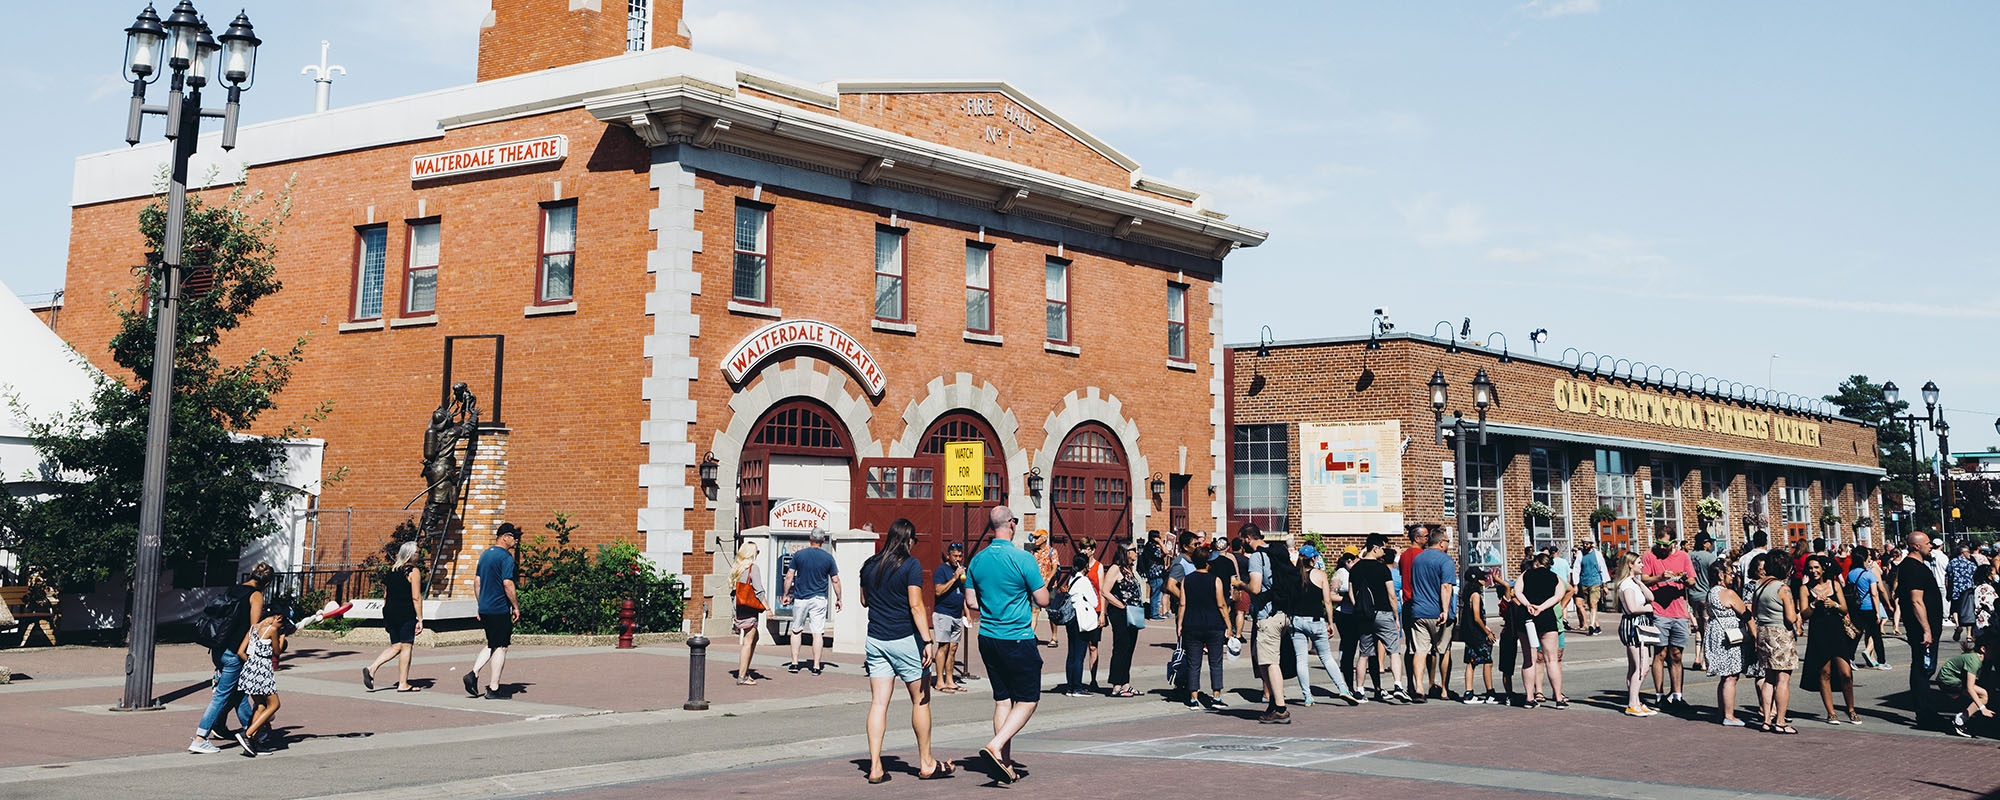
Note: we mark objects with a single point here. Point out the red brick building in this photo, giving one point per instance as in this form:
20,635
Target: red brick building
1337,437
674,257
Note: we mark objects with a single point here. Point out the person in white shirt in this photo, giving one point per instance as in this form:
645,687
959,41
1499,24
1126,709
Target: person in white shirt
1084,625
1759,545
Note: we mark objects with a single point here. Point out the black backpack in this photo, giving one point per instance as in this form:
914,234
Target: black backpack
1060,610
1363,598
216,628
1286,593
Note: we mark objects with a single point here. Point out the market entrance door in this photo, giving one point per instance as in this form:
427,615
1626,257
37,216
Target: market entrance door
1090,492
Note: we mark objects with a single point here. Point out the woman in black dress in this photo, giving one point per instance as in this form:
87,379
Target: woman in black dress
1542,589
1829,662
402,615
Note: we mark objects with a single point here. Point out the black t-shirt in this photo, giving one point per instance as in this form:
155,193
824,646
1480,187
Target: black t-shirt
1198,593
1914,577
1539,585
1223,567
1372,576
889,615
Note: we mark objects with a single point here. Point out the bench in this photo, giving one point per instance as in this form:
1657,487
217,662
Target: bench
29,621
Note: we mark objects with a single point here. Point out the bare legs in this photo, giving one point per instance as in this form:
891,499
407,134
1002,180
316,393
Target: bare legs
1774,697
267,707
1636,659
402,653
1725,696
1009,718
1843,671
746,649
879,692
499,659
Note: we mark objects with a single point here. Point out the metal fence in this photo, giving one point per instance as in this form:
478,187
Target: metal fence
341,584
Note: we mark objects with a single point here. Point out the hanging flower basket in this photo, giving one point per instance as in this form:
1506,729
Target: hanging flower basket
1540,510
1603,514
1709,509
1829,519
1864,522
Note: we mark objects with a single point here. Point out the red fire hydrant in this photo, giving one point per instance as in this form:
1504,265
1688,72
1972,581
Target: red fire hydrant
627,615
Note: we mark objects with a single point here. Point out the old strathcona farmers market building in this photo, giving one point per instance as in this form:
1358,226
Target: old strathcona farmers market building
1337,437
638,257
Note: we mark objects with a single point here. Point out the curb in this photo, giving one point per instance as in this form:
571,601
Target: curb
430,638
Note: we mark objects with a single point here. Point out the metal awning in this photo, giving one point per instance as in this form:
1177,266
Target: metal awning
1599,440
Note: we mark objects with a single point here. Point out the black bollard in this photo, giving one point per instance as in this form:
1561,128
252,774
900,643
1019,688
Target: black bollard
697,673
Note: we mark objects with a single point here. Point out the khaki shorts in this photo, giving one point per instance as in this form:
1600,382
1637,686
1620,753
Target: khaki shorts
1430,637
1270,639
1593,596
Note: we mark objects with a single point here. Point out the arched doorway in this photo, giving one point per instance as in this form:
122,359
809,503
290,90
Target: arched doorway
1090,490
796,451
909,487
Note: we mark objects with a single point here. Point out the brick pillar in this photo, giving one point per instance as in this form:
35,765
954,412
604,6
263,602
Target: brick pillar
485,507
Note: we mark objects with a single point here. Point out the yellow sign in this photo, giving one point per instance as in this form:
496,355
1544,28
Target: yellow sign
965,472
1576,397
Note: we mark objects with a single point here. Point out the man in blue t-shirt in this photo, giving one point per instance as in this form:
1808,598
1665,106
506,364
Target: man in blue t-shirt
499,608
811,576
948,614
1589,575
1433,591
1004,585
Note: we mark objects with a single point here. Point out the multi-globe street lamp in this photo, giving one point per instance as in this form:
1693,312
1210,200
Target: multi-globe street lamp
189,51
1933,418
1460,431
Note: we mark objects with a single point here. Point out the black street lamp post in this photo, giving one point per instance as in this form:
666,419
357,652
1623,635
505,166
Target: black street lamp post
1460,430
190,52
1932,418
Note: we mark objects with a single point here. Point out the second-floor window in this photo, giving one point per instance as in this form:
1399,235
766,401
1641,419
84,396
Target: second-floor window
420,275
752,283
1058,300
978,288
889,274
1177,322
370,254
557,282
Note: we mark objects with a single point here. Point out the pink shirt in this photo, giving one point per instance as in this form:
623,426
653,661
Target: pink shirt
1676,589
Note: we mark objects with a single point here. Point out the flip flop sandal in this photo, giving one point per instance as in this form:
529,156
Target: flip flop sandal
939,771
1785,730
1002,772
408,689
879,779
747,682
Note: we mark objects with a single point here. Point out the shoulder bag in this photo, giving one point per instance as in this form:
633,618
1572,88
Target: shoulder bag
746,597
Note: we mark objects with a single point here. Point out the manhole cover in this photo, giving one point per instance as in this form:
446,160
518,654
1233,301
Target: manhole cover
1240,747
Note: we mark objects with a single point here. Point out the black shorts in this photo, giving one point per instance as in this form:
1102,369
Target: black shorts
499,629
401,631
1014,666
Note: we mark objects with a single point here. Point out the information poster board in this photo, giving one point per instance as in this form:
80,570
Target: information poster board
1351,477
965,472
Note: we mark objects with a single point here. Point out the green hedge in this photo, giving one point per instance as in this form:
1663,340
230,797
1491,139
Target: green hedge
569,589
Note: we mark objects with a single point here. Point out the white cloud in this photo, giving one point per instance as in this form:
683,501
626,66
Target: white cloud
1436,223
1614,254
1549,9
1515,255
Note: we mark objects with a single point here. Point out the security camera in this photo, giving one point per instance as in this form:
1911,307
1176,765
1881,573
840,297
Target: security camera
1382,322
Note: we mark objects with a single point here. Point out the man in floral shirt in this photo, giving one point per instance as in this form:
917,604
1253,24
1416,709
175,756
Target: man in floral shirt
1958,588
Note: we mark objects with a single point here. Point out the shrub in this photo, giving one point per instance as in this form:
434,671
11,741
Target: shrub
1603,514
565,588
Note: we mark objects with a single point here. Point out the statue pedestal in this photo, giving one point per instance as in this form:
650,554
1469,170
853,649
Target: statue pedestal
484,508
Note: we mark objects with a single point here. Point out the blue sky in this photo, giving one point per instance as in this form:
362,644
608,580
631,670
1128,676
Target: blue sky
1695,185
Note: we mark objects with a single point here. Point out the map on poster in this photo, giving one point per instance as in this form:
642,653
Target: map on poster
1351,477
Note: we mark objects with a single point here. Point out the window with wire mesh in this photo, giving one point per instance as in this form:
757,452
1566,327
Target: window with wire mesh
1548,482
370,257
638,28
753,259
1261,475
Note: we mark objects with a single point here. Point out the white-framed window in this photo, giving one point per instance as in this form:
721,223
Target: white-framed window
752,278
889,274
1757,499
1548,480
557,282
1861,508
420,273
638,26
1715,485
1261,471
1830,492
1797,500
1663,500
1057,294
371,252
1614,483
1486,534
978,287
1177,344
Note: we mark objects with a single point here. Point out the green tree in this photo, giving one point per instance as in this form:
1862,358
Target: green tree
1860,398
86,527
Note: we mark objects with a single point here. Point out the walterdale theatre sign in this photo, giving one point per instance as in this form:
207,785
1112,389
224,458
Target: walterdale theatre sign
1583,398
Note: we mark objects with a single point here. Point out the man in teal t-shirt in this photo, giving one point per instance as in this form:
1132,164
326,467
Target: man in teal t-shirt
1005,586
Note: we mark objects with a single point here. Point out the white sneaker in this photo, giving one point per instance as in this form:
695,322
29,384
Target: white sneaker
1472,699
202,747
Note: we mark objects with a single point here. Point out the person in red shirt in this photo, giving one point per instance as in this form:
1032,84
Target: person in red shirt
1420,538
1666,570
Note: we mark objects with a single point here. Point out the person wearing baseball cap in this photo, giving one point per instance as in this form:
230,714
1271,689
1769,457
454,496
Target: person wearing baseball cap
499,608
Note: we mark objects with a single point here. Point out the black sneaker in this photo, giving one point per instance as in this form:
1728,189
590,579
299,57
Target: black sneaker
472,683
244,742
493,695
1419,699
1276,716
792,668
1958,726
818,668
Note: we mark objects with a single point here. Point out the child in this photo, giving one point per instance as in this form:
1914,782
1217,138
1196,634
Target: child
259,680
1477,637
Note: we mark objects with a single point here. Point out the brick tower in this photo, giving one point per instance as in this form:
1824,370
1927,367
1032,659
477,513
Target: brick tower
522,36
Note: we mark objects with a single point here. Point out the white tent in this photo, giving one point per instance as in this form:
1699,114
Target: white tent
41,376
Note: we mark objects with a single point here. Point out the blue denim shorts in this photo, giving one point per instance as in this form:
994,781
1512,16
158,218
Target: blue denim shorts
901,658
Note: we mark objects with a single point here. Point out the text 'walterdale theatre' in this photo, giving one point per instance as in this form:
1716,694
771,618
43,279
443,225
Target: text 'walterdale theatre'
651,264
